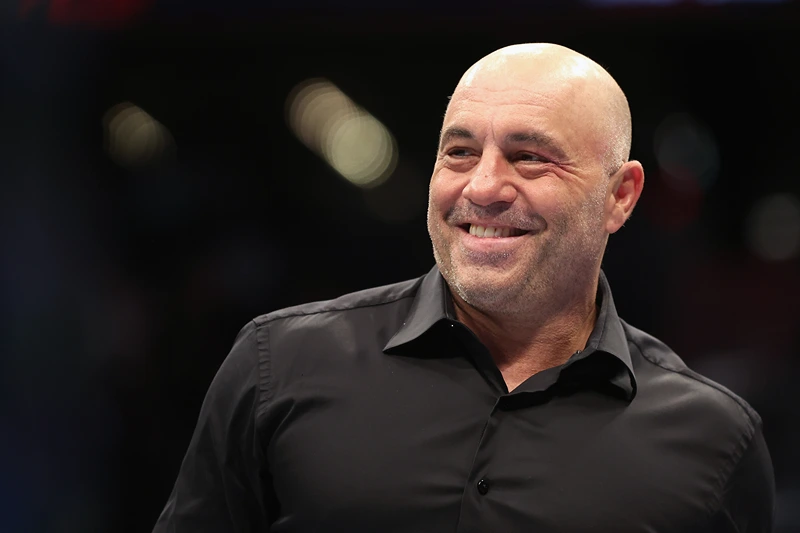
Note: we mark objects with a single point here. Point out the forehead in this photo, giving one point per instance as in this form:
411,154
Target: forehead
561,108
483,109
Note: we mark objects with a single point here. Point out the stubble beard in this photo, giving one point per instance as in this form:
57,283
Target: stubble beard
564,259
479,287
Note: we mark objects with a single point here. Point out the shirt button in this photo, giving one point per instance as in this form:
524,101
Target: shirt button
483,486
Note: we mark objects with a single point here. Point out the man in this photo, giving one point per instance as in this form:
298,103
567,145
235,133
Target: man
500,392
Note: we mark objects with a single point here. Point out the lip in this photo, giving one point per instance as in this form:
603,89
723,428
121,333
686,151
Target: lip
489,245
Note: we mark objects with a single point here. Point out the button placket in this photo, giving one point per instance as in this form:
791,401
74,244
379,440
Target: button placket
475,502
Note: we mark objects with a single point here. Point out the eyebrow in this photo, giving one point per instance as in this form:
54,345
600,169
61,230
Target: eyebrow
452,132
537,138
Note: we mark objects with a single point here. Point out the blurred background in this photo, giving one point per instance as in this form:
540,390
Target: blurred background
172,169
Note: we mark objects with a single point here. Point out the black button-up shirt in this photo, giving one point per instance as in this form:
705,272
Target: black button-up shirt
380,412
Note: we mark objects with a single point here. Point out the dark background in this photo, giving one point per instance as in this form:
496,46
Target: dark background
122,288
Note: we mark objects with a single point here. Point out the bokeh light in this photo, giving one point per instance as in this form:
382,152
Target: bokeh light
352,141
133,138
773,227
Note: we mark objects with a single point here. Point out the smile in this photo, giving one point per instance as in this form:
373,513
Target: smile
493,231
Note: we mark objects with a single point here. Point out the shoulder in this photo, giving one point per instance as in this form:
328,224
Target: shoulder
319,311
662,376
331,331
706,438
320,324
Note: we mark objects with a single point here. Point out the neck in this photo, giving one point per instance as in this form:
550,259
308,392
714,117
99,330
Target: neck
543,335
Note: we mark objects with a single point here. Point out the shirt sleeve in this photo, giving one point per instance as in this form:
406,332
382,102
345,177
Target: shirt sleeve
221,483
749,499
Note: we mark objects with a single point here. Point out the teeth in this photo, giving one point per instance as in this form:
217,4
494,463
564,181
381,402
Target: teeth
489,231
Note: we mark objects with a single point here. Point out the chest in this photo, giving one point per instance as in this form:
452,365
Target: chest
432,454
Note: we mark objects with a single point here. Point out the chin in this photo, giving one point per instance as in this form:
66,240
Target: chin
499,274
485,294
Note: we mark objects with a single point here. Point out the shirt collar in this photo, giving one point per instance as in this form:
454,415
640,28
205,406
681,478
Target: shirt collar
433,304
608,337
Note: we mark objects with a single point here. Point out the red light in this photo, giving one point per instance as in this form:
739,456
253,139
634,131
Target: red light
99,13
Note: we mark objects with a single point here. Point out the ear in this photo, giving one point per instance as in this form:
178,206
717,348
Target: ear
625,187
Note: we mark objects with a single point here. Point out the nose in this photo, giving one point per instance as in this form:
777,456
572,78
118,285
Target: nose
491,180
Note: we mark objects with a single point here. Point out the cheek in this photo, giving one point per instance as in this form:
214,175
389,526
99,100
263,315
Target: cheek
546,196
444,192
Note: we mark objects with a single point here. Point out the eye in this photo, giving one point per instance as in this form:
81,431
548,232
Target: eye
529,157
459,152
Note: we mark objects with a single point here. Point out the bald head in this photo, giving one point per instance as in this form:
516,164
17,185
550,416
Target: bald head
584,89
533,150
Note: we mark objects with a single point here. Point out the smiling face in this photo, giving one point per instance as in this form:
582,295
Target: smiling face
520,202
